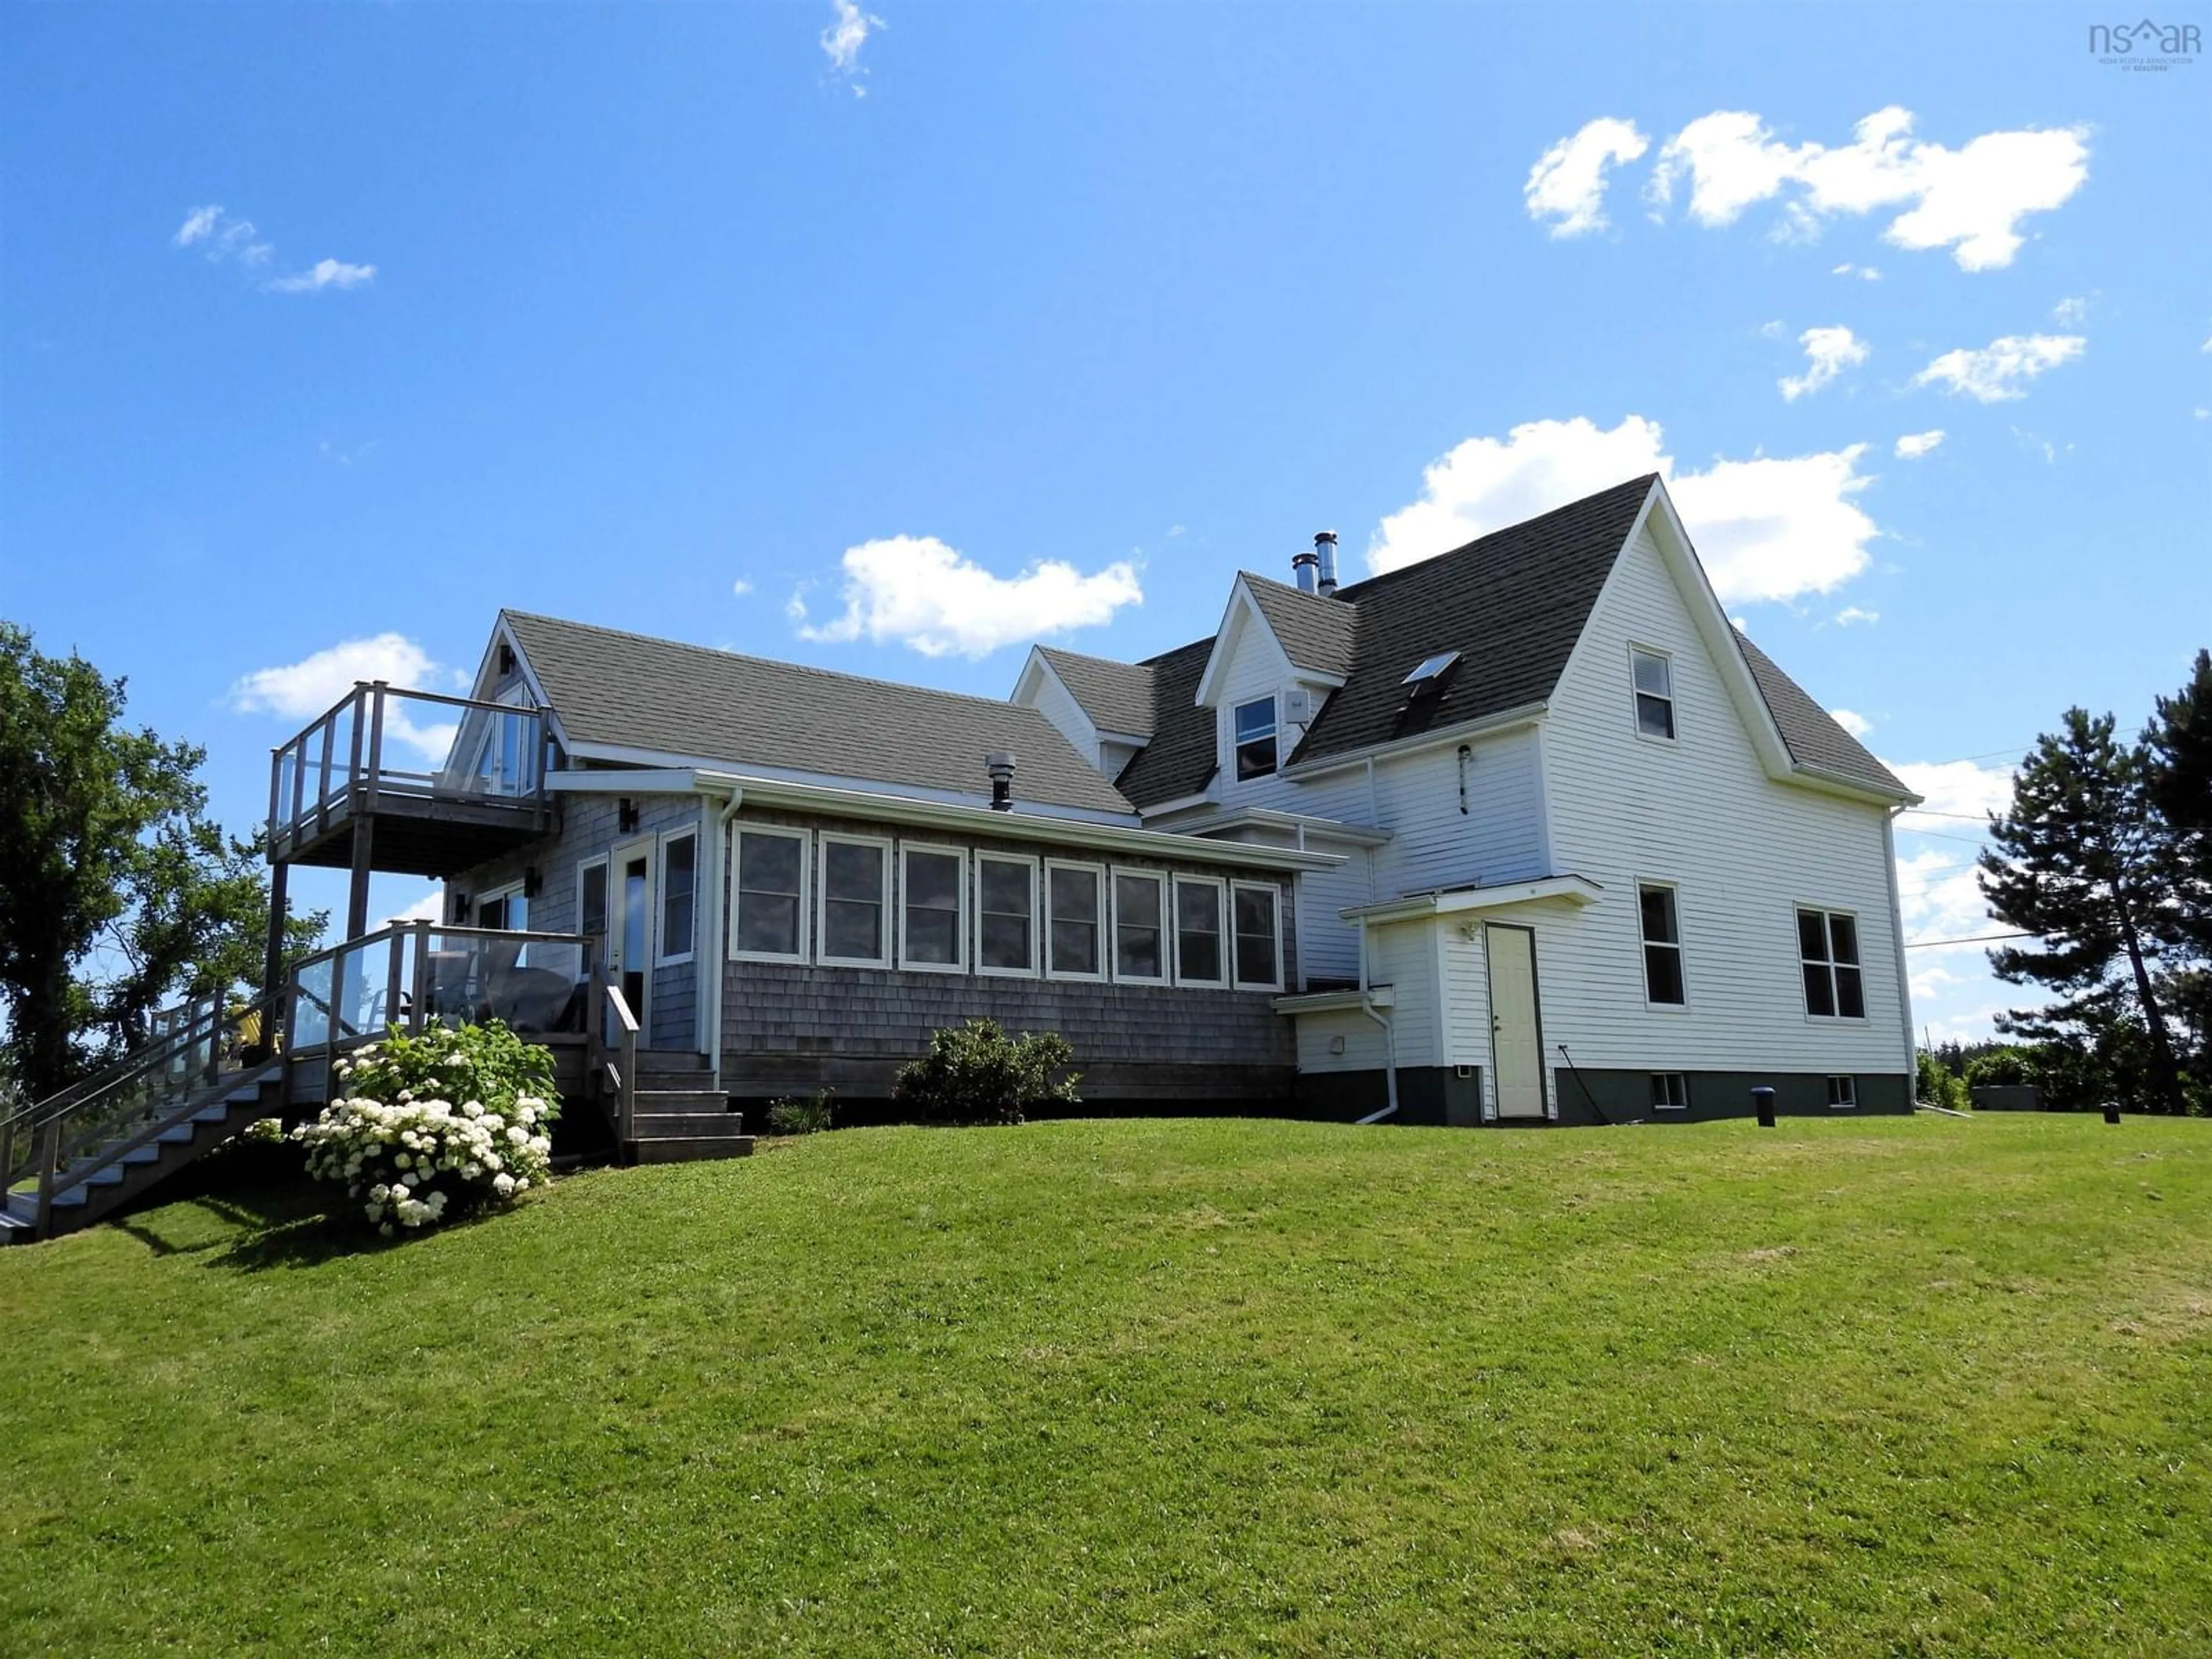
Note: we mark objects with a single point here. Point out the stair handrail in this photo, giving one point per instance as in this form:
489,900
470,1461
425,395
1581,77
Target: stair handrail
625,1070
168,1036
58,1129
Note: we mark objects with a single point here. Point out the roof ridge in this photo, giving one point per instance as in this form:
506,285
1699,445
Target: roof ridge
1645,481
1084,656
907,686
1333,600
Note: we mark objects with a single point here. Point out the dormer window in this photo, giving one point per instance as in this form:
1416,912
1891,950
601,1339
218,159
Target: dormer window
1653,677
1255,738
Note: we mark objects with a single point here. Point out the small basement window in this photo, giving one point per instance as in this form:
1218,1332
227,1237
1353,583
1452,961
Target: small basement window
1255,738
1654,679
1670,1091
1843,1092
1828,944
1662,946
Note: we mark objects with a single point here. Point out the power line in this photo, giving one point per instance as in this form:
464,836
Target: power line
1978,938
1930,812
1943,835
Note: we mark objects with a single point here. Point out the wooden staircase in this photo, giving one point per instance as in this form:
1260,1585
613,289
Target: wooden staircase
677,1114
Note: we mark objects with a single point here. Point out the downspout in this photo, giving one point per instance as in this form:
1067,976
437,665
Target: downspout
1389,1033
718,959
1897,934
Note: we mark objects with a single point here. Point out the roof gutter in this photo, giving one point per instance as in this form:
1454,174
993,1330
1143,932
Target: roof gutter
1505,719
981,820
1574,890
1856,788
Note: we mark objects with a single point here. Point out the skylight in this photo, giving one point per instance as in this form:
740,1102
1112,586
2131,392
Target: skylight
1431,672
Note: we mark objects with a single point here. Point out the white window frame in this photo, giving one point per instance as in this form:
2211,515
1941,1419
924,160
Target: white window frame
959,857
1850,1102
736,895
1028,861
1828,940
1104,924
1159,879
888,890
1274,702
1673,702
505,891
1658,1078
1674,891
1229,934
669,838
1225,937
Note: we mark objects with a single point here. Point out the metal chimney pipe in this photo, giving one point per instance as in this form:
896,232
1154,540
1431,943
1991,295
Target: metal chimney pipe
1302,567
1000,763
1325,553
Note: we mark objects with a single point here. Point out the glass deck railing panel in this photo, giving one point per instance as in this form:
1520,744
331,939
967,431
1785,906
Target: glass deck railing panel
404,744
538,985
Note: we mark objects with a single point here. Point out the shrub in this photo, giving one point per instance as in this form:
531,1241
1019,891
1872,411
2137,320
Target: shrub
797,1116
1938,1085
975,1073
431,1127
1997,1067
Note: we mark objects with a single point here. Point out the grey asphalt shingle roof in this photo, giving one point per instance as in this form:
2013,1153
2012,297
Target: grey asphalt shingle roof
611,686
1180,759
1116,695
1811,732
1314,632
1513,604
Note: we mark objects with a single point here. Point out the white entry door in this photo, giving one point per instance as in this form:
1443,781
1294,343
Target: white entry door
1517,1035
630,925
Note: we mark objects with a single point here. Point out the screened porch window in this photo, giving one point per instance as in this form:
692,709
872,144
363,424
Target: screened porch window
771,893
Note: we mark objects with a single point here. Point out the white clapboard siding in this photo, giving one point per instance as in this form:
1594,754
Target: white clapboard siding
1363,1047
1052,700
1742,849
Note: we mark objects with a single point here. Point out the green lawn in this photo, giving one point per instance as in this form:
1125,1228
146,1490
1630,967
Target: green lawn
1898,1386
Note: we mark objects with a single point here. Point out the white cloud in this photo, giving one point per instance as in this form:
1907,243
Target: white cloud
303,690
916,590
1957,788
1970,200
199,225
1913,445
431,907
1864,273
1857,724
1850,615
844,38
1766,528
1829,352
1567,185
741,587
221,236
1994,374
324,273
2070,312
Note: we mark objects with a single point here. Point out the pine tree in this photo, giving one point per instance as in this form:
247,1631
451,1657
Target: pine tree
2079,862
2178,782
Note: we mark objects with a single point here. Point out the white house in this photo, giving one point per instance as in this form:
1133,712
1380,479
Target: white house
1598,858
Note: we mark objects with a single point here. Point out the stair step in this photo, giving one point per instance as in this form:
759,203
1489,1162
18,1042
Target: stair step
691,1148
681,1126
108,1175
177,1134
682,1100
215,1114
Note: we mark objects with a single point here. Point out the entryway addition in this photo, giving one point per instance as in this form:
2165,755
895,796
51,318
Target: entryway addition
1517,1038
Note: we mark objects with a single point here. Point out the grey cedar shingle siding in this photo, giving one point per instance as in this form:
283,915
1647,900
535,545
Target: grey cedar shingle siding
611,686
1513,604
1116,695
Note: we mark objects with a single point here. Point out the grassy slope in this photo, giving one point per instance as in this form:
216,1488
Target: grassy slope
1898,1386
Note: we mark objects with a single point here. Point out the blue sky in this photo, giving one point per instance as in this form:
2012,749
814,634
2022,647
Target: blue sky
616,311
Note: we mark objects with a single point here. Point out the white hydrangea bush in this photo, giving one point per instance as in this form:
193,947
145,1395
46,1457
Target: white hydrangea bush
425,1129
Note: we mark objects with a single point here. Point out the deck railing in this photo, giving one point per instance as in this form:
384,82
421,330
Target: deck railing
364,750
415,974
